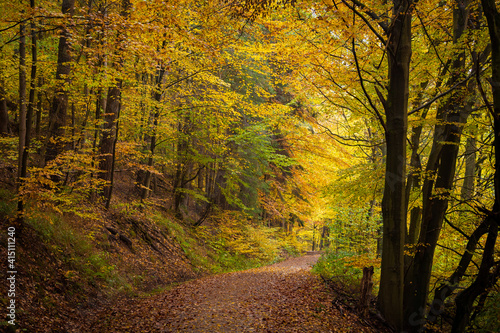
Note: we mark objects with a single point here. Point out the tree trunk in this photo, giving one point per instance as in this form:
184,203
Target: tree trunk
108,139
38,121
470,170
58,109
390,300
28,121
447,288
185,128
366,291
484,279
156,116
22,110
110,129
4,112
442,161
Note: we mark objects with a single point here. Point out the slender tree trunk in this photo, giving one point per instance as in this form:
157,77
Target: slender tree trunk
4,112
486,277
412,184
152,147
58,109
390,299
22,110
184,128
31,105
38,120
470,169
447,288
414,178
82,137
442,161
108,139
110,129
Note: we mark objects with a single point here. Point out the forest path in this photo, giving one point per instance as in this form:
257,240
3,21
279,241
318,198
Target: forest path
283,297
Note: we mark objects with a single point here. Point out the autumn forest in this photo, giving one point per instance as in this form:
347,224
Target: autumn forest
146,144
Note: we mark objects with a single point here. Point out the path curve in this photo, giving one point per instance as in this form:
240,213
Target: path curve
283,297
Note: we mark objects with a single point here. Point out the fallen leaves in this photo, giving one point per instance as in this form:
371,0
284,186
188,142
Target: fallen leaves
283,297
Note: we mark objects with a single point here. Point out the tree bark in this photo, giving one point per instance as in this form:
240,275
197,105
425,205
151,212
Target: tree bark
390,300
484,279
470,170
447,288
185,128
58,109
28,121
106,162
22,110
366,290
451,116
39,103
111,118
152,146
4,112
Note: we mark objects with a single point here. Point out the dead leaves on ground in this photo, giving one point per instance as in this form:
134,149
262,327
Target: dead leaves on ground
283,297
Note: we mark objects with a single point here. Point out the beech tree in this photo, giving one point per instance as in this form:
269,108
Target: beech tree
59,105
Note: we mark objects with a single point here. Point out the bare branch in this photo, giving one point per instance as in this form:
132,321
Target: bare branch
372,15
379,116
432,100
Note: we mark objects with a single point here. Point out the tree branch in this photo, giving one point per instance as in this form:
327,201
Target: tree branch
379,116
372,15
432,100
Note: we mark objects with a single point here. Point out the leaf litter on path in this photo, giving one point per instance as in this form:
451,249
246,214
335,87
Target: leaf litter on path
283,297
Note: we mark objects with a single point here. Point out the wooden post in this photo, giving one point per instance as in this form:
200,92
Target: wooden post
366,290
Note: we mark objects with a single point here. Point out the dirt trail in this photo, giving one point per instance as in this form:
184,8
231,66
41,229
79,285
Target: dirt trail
283,297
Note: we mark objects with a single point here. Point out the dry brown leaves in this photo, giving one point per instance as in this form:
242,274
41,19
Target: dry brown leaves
283,297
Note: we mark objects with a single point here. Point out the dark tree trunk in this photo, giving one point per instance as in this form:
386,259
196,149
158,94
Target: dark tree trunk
484,279
58,109
109,135
38,120
324,236
184,163
29,112
470,170
486,276
446,289
390,299
111,118
179,178
22,109
152,146
366,290
442,161
4,112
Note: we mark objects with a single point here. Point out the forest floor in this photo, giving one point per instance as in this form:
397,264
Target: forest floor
283,297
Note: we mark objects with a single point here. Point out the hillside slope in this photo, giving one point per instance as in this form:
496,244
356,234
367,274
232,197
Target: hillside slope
71,264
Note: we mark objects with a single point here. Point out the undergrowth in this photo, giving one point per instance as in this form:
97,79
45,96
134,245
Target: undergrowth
84,263
347,267
230,242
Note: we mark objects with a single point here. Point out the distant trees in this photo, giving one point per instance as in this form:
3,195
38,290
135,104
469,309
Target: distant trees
182,101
